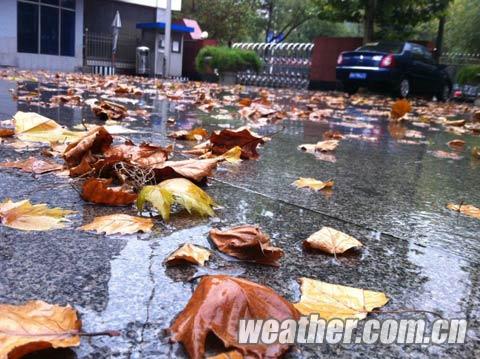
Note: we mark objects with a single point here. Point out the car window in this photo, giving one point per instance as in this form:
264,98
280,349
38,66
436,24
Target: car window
390,47
417,53
428,56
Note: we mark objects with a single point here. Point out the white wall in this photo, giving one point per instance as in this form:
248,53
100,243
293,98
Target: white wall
8,43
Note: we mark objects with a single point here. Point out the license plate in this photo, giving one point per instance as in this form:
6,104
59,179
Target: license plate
358,75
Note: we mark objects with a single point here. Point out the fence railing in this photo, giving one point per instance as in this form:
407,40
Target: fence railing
284,64
98,50
460,58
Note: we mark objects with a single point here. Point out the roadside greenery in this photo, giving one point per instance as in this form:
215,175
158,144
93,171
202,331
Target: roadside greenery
469,75
226,59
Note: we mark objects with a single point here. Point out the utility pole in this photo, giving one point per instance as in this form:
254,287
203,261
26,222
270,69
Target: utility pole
168,37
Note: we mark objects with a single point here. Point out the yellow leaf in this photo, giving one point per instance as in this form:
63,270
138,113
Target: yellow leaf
27,217
35,326
176,190
466,209
228,355
189,253
312,183
337,301
119,223
233,155
331,241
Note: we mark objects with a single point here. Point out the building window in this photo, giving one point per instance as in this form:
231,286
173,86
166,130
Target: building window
46,27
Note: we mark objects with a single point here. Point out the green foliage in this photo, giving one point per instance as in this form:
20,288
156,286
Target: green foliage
226,59
469,75
462,30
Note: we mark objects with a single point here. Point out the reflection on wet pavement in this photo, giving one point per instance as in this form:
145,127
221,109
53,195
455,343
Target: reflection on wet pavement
390,196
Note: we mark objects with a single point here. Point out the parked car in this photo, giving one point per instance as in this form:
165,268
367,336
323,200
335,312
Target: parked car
467,93
400,67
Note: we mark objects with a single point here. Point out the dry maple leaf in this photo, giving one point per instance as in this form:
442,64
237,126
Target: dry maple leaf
247,243
337,301
177,190
35,326
188,253
119,224
216,307
400,108
27,217
145,155
312,183
195,170
227,139
97,190
331,241
6,132
34,165
95,141
466,209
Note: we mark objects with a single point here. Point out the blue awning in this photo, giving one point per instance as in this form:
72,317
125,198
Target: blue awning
161,26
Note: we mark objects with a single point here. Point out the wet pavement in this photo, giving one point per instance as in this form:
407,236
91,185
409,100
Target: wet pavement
391,196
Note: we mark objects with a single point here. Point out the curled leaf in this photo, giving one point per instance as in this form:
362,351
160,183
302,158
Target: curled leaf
27,217
159,197
216,307
337,301
331,241
35,326
95,141
400,108
119,224
247,243
312,183
188,253
97,190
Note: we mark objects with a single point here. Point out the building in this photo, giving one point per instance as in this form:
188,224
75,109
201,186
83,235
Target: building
66,35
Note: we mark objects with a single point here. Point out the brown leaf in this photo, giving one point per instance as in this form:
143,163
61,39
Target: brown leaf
247,243
400,108
34,165
188,253
35,326
84,167
119,224
466,209
312,183
144,155
455,123
95,141
456,144
332,135
331,241
227,139
195,170
476,152
216,307
6,132
228,355
107,110
96,190
197,134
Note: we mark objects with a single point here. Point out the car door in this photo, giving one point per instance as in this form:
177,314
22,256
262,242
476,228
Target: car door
417,71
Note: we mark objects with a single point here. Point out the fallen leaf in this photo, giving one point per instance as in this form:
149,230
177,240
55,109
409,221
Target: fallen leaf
466,209
95,141
247,243
312,183
27,217
455,123
97,190
6,132
107,110
456,144
337,301
332,135
31,126
197,134
234,354
34,165
445,154
177,190
227,139
331,241
35,326
400,108
119,224
321,146
476,152
188,253
195,170
233,155
216,307
145,155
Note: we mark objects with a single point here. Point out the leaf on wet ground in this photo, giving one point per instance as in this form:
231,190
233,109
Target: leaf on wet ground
476,152
337,301
196,134
95,141
234,354
177,190
216,307
188,253
400,108
227,139
466,209
331,241
446,154
24,216
108,110
119,224
97,190
34,165
456,144
6,132
192,169
36,326
312,183
247,242
144,155
321,146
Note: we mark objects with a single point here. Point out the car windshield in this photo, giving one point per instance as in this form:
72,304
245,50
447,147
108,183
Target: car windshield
390,47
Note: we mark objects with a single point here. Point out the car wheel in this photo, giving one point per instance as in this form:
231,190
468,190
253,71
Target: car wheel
444,93
350,88
404,88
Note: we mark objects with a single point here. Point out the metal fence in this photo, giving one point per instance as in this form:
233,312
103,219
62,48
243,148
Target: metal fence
98,50
284,64
460,58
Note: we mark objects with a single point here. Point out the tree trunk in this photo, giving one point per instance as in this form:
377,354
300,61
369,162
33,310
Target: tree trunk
369,21
270,19
439,40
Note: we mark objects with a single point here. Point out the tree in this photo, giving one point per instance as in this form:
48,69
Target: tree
462,29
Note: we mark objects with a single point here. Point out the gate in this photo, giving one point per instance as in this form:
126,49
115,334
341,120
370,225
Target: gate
284,64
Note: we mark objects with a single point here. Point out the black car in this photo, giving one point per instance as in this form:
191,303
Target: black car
401,67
